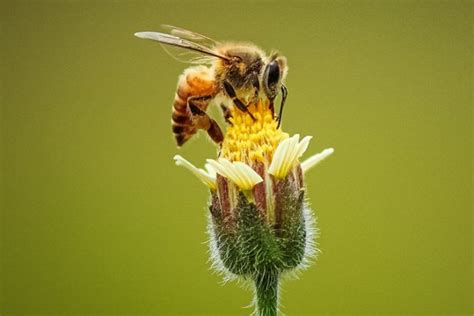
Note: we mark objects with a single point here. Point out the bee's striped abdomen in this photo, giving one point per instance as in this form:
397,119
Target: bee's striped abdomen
193,83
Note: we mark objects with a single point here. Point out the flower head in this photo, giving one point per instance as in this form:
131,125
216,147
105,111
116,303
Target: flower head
257,159
260,224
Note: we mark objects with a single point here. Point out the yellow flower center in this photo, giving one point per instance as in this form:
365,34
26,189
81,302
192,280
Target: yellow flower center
250,141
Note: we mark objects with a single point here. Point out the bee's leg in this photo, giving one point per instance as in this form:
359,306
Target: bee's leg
215,132
227,114
203,121
284,94
231,93
199,117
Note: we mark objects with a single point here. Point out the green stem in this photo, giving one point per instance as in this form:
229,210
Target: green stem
266,291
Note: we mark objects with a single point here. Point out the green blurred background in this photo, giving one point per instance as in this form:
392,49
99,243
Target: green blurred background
96,219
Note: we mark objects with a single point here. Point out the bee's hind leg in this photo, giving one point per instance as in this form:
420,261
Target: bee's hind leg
215,132
203,121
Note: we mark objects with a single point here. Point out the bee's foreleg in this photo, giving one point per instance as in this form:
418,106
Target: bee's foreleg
284,94
238,103
202,120
227,113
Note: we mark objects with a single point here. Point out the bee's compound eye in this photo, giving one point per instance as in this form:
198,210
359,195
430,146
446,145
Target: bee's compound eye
271,78
273,73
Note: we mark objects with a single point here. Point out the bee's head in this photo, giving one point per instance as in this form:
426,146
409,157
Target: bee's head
273,75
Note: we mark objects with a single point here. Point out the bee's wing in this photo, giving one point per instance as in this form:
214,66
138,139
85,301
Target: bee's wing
188,51
190,35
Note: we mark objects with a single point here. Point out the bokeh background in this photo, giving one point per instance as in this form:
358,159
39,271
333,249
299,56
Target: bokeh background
96,219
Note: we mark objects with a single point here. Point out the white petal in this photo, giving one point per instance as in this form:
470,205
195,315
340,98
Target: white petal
217,166
251,176
291,155
242,180
278,157
234,176
207,178
304,143
238,172
287,154
210,170
315,159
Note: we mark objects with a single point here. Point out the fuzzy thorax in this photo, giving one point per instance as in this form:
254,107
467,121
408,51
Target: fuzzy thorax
248,140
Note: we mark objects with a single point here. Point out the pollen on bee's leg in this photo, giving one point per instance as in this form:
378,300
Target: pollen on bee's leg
202,122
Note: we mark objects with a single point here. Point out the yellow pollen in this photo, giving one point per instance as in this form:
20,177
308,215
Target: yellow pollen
250,141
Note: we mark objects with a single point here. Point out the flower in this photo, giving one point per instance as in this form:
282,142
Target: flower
260,225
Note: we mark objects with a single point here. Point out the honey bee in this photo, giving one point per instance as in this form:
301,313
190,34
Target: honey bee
229,73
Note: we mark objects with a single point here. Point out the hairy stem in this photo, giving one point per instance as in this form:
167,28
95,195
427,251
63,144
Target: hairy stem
266,292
